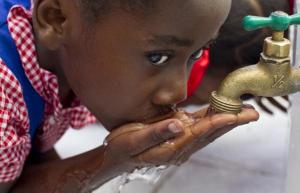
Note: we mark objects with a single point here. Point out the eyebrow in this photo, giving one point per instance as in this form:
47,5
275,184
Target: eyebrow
173,40
170,40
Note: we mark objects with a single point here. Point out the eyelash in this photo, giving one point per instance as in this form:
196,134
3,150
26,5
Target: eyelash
196,55
192,59
160,58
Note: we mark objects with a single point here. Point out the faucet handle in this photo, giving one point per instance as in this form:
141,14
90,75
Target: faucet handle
277,21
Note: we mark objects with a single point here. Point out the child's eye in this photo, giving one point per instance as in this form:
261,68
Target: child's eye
158,59
197,55
194,57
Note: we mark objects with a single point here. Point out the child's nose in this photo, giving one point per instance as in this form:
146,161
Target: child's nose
172,92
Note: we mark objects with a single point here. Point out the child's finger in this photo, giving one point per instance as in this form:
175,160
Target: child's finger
153,135
157,156
124,130
247,115
203,132
203,128
218,133
203,142
209,124
199,114
248,106
226,123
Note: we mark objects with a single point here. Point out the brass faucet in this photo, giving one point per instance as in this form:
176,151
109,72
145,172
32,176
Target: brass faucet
273,75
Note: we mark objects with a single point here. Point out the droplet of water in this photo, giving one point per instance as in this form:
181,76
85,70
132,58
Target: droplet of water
105,142
170,143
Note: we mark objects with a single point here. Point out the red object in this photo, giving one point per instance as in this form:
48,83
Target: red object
198,72
15,143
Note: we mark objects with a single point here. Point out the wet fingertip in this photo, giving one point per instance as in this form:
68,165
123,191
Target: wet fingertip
257,116
210,110
223,116
245,110
175,126
224,119
253,115
248,106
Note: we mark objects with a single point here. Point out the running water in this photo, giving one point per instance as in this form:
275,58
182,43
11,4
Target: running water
149,175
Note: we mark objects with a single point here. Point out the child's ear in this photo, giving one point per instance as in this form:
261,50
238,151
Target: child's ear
49,23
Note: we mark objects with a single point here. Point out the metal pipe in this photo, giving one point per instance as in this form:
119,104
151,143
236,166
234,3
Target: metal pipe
267,78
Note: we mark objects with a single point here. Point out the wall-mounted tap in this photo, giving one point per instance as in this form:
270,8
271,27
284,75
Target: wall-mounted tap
273,75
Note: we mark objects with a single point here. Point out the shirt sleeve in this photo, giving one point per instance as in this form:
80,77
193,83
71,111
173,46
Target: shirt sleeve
14,126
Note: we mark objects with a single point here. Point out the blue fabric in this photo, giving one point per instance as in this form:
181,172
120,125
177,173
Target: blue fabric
5,6
10,56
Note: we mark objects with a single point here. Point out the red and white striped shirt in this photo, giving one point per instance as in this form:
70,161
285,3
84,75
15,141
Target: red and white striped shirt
15,143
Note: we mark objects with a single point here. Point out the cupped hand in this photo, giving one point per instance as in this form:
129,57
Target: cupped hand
124,144
174,140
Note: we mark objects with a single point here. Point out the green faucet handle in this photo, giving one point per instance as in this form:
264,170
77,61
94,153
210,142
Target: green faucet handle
277,21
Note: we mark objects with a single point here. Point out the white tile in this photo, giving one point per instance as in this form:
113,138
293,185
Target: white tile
75,142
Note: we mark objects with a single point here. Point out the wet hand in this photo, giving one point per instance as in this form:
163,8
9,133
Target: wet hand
125,144
200,129
171,141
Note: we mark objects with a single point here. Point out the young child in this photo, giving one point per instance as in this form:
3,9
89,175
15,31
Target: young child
127,62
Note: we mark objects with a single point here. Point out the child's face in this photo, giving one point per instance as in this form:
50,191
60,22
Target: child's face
128,68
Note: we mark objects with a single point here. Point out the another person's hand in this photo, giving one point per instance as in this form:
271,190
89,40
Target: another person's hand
171,141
